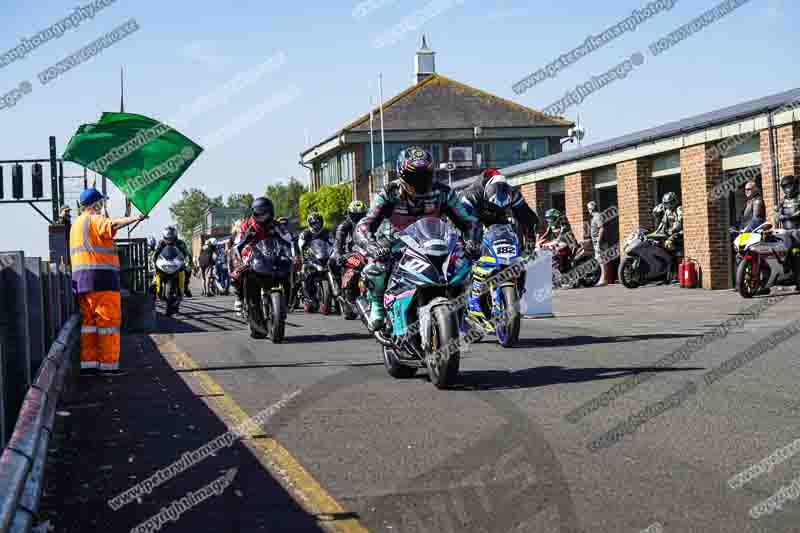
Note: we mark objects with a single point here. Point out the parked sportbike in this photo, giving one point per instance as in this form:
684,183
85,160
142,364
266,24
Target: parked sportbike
218,280
316,274
764,260
574,259
422,328
501,297
169,278
645,259
265,288
352,284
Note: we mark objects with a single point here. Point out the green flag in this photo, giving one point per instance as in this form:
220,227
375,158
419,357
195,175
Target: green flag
141,156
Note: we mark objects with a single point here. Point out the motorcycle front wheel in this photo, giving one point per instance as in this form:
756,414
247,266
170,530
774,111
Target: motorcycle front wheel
277,318
326,297
445,357
348,304
746,285
629,274
255,312
508,330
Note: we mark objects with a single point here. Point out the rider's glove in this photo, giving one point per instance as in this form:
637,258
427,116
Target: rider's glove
378,252
473,249
530,247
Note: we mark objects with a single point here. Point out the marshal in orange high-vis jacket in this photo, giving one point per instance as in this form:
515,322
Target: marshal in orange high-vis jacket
95,275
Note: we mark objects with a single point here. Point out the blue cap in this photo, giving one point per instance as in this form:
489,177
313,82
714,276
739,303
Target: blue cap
91,196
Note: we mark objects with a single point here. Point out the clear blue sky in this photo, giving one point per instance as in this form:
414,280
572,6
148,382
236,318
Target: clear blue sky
185,50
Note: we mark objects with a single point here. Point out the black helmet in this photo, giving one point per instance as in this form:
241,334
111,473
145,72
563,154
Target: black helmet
789,186
170,235
316,222
670,199
415,167
263,210
356,211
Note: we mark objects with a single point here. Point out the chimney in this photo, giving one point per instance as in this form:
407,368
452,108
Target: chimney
425,62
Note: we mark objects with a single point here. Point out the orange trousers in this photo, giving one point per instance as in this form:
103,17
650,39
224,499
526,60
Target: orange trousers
100,329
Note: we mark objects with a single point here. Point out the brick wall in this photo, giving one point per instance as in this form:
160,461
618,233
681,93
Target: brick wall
578,192
535,195
704,225
788,140
636,195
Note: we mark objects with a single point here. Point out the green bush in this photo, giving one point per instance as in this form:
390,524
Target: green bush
331,201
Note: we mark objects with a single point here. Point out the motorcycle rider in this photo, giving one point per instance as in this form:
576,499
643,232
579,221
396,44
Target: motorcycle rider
315,231
754,213
343,242
169,237
412,196
788,216
669,216
489,199
559,234
259,226
204,261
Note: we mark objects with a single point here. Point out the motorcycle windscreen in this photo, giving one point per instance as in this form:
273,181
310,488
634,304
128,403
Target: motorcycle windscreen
321,249
268,259
170,260
431,237
500,242
171,253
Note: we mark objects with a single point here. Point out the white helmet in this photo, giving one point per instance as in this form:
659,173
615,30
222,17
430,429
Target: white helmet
212,241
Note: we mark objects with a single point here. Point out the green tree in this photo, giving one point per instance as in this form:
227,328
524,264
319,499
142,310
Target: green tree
331,201
286,197
240,200
189,211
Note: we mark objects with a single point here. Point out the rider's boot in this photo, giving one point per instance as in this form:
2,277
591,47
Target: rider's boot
474,312
186,291
375,275
796,269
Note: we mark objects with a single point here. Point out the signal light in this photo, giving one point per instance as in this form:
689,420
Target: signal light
16,182
38,182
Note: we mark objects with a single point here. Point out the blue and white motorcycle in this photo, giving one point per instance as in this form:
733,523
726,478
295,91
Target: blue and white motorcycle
501,270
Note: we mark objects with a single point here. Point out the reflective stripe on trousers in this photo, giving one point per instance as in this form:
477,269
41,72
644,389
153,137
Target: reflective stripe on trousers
100,330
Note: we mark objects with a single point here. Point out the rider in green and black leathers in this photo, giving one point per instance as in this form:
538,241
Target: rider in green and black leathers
344,240
412,196
669,216
788,215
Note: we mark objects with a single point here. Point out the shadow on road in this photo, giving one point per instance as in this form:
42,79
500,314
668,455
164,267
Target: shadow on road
579,340
329,337
471,380
123,430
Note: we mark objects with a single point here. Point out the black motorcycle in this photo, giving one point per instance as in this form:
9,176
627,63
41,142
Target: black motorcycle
646,259
265,287
317,278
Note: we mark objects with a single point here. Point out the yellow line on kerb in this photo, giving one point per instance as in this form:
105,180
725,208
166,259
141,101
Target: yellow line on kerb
269,452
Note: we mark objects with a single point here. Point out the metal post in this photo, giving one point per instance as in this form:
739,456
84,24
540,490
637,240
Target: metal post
774,160
53,177
383,143
60,184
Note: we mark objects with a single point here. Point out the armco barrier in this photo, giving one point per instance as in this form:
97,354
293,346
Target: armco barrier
23,459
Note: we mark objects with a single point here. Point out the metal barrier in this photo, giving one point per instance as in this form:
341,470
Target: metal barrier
35,301
135,271
23,460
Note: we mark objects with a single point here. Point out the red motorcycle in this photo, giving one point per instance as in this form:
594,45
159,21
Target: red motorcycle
352,286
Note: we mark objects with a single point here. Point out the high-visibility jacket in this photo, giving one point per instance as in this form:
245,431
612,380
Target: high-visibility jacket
95,263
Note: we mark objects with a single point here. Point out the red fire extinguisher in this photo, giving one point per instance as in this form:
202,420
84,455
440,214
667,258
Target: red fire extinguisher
689,274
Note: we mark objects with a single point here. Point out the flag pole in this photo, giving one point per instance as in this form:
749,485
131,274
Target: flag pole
371,133
383,143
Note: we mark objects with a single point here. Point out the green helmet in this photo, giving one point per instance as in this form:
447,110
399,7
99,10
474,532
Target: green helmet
552,216
670,199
